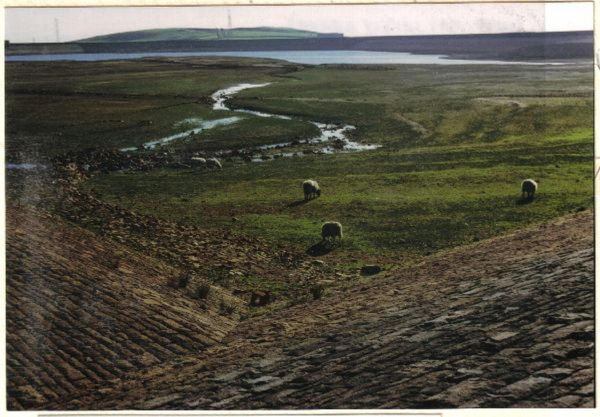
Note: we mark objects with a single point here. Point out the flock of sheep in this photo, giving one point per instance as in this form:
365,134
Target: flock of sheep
333,230
209,163
329,230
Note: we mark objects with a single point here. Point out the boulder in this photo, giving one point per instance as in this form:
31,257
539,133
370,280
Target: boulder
370,270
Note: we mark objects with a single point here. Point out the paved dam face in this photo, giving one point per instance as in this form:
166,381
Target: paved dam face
508,322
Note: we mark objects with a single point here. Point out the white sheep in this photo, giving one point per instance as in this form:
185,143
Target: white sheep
199,160
331,230
528,186
214,162
311,189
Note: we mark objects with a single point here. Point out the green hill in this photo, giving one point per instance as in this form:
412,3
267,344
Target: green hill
191,34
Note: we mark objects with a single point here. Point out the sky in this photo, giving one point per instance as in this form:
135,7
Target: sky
38,24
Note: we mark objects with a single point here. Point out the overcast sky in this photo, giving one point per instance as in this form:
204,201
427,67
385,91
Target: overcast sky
38,24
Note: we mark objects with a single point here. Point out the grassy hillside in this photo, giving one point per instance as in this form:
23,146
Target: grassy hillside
192,34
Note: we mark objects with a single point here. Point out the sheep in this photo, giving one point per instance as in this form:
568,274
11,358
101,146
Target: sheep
198,160
213,162
311,189
528,186
331,230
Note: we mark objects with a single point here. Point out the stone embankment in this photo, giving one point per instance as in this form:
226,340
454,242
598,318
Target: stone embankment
141,313
507,322
223,257
83,311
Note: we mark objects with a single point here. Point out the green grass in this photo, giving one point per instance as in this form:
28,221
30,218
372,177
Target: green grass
57,107
458,140
383,102
192,34
396,202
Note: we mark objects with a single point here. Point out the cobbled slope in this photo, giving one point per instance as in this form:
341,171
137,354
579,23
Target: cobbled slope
83,311
507,322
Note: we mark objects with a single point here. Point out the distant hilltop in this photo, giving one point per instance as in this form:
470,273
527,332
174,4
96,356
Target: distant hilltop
191,34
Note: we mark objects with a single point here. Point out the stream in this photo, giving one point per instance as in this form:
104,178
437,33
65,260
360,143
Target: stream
332,136
328,132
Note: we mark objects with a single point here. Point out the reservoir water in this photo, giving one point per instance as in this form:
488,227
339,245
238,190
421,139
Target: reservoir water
300,57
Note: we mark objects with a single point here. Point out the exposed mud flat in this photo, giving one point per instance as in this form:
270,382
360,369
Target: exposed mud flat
507,322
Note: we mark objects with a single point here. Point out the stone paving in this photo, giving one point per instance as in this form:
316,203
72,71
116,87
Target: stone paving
83,312
507,322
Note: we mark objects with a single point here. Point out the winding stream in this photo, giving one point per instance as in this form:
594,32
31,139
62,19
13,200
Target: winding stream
329,132
200,125
334,136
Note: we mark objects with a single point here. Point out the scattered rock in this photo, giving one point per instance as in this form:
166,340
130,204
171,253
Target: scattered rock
317,291
528,386
370,270
260,298
498,337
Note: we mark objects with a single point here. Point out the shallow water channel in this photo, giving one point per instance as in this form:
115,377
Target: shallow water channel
24,166
333,136
328,132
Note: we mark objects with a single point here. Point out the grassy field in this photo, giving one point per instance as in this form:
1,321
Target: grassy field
446,104
57,107
403,202
457,142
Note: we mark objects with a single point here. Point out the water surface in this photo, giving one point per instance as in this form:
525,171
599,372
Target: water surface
300,57
200,125
328,132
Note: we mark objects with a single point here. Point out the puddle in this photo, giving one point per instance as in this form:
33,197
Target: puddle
24,166
191,121
261,114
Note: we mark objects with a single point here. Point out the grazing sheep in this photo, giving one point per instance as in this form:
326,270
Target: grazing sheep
331,230
311,189
213,162
198,160
528,186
